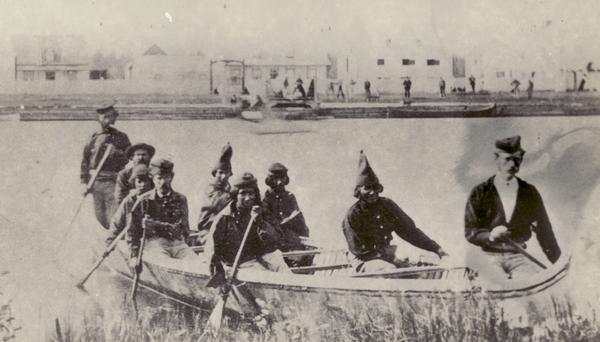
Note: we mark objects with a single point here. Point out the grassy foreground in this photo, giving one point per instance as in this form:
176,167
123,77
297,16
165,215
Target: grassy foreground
473,322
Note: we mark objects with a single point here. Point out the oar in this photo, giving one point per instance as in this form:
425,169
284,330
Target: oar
88,188
107,252
525,253
213,325
138,268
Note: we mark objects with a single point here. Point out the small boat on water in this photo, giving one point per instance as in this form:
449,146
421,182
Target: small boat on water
330,282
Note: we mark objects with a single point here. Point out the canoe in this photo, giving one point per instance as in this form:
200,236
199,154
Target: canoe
385,292
407,110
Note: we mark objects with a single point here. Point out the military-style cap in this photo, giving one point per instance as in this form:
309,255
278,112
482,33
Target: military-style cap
224,162
161,166
277,170
107,108
245,181
511,145
366,175
299,80
140,146
139,171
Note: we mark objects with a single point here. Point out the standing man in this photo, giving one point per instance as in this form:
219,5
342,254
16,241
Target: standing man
217,194
163,212
369,224
472,83
368,91
442,87
261,250
341,90
103,188
505,208
529,89
138,154
407,84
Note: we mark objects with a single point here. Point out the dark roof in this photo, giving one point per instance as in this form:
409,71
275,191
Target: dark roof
154,50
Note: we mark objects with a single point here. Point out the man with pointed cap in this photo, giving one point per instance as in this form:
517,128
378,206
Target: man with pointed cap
138,154
163,213
507,208
216,196
103,189
282,204
139,182
369,224
261,250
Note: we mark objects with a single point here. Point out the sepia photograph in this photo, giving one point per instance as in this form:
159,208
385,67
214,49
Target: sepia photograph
309,170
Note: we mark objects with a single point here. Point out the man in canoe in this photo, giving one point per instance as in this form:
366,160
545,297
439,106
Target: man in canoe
103,189
369,224
502,212
284,207
217,193
261,250
138,154
140,182
163,213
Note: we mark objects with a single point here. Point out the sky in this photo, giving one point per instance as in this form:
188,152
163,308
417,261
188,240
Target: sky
560,30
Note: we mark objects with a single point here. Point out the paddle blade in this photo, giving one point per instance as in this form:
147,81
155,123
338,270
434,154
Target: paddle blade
213,325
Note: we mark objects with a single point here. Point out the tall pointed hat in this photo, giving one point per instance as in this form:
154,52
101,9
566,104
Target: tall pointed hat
224,162
366,175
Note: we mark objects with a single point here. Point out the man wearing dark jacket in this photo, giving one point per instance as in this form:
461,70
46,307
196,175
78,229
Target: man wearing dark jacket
138,154
104,186
369,224
507,208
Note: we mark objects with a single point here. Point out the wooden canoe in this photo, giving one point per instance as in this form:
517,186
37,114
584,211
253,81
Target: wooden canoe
186,281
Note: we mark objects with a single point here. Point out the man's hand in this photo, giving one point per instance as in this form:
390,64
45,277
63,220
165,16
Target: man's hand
256,210
441,253
498,232
133,265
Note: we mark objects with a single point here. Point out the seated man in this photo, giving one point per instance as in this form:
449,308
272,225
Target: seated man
217,195
163,213
140,182
284,207
137,154
506,209
369,224
261,250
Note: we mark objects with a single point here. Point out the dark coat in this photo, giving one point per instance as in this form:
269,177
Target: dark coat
484,212
216,198
368,229
94,149
281,205
170,212
230,226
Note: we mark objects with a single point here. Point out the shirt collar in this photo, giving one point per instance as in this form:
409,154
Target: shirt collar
501,183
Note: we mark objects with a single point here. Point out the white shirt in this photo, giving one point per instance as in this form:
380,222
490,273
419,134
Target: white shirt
508,194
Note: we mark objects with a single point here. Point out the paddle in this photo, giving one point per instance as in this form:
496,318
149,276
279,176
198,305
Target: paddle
105,255
525,253
88,189
138,267
213,325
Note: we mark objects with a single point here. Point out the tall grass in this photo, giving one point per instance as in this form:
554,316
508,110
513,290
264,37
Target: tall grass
469,322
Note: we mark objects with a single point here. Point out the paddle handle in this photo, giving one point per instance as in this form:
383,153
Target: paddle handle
137,269
92,180
238,256
525,253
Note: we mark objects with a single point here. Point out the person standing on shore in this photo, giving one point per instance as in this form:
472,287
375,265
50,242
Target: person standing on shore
472,83
529,89
442,87
515,90
407,85
103,189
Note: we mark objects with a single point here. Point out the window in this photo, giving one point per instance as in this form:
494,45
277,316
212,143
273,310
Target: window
50,75
98,74
433,62
380,61
28,75
499,74
256,73
71,75
406,61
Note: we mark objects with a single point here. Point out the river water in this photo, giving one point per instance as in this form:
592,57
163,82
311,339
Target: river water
428,166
